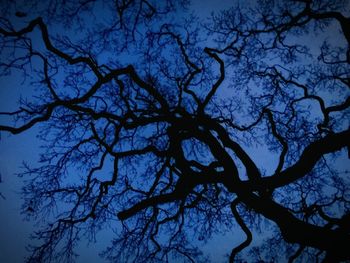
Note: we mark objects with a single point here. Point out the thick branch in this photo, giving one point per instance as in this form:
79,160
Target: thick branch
307,161
152,201
218,82
297,231
244,227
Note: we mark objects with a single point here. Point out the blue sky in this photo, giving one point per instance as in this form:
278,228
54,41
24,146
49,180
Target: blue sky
14,149
15,230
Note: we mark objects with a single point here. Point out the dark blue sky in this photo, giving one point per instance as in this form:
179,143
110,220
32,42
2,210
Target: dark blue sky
14,231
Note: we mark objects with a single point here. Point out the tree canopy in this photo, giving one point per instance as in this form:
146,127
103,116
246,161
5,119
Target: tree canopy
171,128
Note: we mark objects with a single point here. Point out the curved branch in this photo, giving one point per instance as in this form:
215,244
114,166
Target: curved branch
280,140
297,231
45,36
308,159
244,227
218,82
31,123
296,254
152,201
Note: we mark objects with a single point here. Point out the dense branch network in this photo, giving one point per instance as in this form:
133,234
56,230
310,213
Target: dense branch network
162,139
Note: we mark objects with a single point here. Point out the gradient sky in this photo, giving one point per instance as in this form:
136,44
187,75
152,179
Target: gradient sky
14,231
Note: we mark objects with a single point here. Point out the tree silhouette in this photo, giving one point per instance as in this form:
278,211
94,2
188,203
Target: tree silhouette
176,129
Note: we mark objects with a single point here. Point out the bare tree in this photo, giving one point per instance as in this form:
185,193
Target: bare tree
153,119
